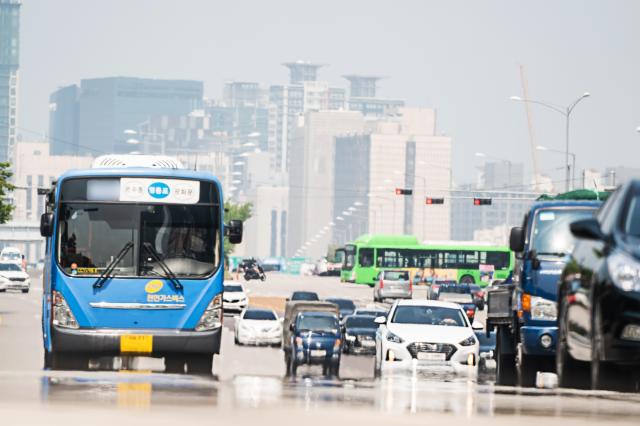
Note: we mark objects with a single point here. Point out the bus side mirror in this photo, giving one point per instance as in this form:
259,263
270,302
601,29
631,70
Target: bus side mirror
46,224
516,239
233,230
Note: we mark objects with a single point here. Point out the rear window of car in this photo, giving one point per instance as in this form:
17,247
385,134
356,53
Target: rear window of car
259,315
342,304
304,296
361,322
396,275
233,288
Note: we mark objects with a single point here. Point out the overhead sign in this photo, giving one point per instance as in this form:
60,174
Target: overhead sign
169,191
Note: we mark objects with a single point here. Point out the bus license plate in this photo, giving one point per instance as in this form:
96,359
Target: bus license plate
430,356
136,343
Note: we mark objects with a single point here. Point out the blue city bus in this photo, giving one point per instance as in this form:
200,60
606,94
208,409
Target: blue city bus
134,264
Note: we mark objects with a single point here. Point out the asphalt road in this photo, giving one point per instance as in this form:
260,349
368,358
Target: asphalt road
249,386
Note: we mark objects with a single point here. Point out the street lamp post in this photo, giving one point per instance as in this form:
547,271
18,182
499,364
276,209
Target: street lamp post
566,111
573,161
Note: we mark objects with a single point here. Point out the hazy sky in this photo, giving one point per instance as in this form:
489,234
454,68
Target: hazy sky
460,57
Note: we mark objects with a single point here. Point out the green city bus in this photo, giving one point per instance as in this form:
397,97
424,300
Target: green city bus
451,261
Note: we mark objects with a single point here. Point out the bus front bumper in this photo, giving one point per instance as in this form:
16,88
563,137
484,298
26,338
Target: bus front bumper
109,342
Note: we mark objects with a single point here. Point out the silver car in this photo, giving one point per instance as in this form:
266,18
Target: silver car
392,284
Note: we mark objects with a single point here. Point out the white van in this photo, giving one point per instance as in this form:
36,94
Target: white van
11,255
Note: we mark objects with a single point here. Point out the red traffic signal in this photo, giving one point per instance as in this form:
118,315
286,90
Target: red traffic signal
404,191
431,200
482,201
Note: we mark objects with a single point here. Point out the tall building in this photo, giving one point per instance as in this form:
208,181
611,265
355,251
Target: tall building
398,152
503,175
363,96
63,121
288,102
9,64
106,107
311,187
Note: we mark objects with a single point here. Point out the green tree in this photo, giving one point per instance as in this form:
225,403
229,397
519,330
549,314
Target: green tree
232,211
5,187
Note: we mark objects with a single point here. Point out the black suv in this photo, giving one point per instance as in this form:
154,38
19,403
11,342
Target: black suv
599,298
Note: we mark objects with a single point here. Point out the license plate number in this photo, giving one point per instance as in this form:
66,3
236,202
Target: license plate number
368,343
136,343
318,353
429,356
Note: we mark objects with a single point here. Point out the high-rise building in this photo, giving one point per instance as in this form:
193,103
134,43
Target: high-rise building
399,152
503,175
288,102
63,121
363,96
106,107
311,187
9,63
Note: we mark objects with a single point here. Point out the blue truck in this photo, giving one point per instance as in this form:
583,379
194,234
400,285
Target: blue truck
523,309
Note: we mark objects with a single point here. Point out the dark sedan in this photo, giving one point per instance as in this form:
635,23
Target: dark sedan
308,296
360,334
346,306
599,298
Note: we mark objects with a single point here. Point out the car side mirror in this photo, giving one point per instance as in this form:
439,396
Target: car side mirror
516,239
477,325
46,224
587,229
233,230
380,320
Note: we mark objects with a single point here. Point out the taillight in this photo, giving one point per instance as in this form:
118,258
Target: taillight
381,283
410,285
471,313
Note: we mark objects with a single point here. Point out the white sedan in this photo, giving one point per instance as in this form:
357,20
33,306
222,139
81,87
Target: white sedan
234,297
424,334
14,277
257,326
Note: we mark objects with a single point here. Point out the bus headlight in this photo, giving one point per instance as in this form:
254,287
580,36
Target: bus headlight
212,316
62,315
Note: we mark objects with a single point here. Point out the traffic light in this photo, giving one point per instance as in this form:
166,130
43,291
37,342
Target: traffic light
482,201
431,200
404,191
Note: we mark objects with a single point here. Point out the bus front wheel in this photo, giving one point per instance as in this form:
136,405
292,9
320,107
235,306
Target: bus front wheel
66,361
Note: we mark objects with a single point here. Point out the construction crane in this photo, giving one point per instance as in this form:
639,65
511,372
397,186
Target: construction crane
527,107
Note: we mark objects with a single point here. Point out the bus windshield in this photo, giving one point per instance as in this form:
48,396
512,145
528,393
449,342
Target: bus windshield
185,237
349,257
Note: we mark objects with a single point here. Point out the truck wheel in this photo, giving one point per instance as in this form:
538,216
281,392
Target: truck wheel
200,364
605,375
334,370
174,364
294,368
287,364
527,366
505,360
571,372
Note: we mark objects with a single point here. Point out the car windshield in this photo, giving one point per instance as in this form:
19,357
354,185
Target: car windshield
317,323
361,322
396,275
10,256
91,234
551,234
632,220
233,288
343,304
260,315
9,267
304,296
429,315
455,297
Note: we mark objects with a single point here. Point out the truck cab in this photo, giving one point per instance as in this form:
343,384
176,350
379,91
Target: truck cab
524,307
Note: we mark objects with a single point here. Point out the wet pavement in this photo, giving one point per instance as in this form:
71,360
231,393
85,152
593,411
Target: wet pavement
249,386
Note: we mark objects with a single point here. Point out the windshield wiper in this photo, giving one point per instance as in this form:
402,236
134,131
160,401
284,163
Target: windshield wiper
167,271
111,266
